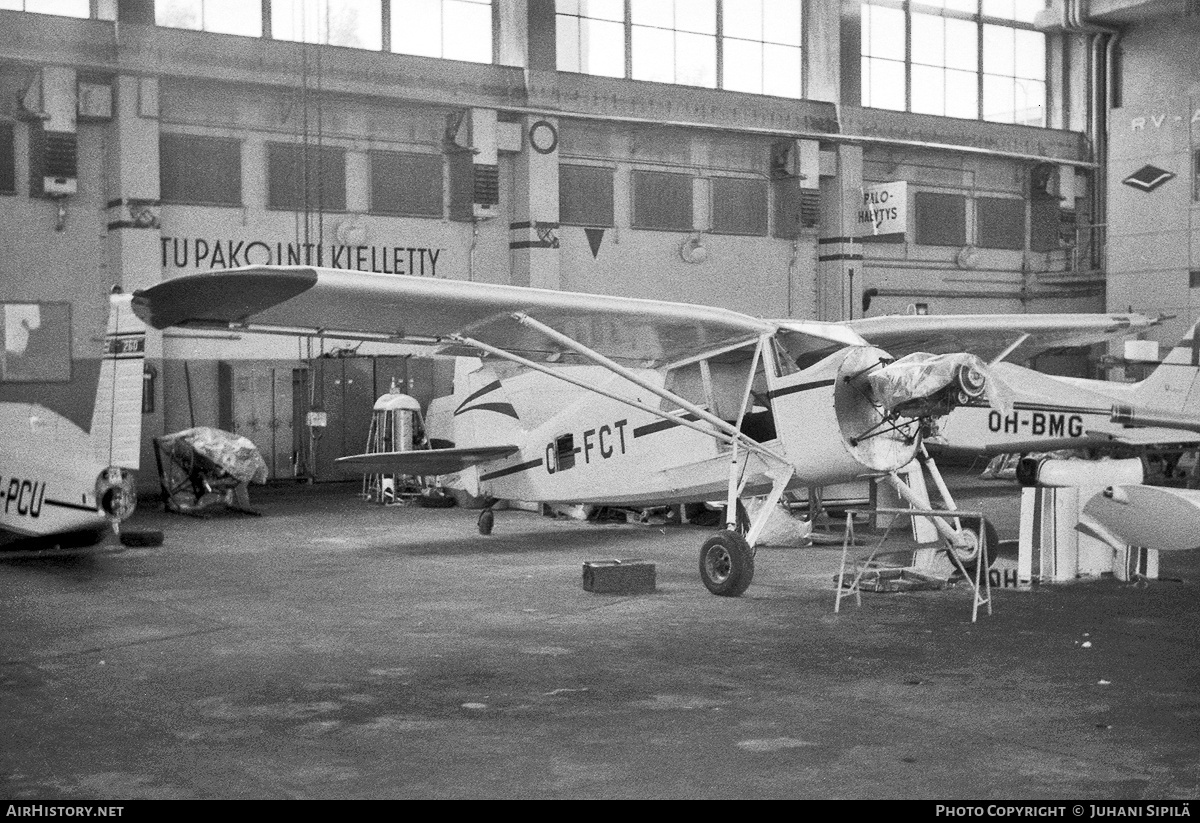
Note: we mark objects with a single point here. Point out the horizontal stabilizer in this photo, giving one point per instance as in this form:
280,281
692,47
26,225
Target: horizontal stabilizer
1152,517
423,461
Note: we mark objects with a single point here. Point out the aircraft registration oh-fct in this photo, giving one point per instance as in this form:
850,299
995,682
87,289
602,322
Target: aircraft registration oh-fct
602,399
1051,412
55,478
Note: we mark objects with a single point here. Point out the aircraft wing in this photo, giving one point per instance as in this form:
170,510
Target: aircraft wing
423,461
406,309
991,335
1150,436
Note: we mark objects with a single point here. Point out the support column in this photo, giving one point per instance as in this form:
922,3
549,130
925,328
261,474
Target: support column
533,236
133,205
133,239
839,252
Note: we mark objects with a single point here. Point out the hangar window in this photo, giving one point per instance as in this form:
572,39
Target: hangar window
941,219
354,23
1196,175
1000,222
742,45
62,8
1047,222
585,196
976,59
200,170
8,160
662,200
760,46
451,29
37,342
406,184
883,52
591,37
303,178
220,16
674,41
739,206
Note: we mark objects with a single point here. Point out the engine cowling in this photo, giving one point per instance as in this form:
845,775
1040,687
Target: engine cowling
830,422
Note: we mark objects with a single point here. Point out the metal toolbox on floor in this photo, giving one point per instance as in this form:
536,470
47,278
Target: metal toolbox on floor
618,576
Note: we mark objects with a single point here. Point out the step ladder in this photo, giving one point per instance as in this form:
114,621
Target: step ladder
869,567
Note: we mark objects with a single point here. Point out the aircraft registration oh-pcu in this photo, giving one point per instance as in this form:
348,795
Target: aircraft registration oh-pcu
55,478
1050,412
658,403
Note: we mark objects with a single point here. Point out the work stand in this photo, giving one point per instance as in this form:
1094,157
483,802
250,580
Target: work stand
869,566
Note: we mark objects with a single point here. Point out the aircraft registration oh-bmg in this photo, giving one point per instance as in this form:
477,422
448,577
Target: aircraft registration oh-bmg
656,402
1050,412
57,479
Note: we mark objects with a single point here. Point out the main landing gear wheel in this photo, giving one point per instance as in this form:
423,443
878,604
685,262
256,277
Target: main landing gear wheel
726,564
973,553
486,521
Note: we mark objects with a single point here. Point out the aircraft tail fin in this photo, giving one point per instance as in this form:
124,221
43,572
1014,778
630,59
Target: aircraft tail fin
117,416
1175,384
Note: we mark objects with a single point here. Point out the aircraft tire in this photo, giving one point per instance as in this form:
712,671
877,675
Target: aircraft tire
486,520
726,564
144,537
971,561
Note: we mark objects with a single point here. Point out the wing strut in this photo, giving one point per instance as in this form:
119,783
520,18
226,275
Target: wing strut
670,397
1012,347
522,361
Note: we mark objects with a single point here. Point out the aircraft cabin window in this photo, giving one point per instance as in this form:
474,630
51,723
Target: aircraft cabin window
200,170
37,342
564,452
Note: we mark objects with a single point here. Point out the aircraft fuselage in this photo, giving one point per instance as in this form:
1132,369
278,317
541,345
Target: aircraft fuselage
44,488
1051,413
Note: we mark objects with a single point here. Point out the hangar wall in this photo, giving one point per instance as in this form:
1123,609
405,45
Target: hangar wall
1153,176
797,165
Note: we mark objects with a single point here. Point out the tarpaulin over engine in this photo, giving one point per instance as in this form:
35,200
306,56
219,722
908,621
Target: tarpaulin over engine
923,383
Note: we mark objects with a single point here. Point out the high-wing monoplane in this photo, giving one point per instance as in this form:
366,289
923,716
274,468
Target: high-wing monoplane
57,479
1049,412
602,399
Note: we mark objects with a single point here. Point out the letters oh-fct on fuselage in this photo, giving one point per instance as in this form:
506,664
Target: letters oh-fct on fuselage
607,440
22,497
1041,424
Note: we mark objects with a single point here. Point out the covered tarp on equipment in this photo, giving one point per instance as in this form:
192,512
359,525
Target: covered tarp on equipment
922,379
201,466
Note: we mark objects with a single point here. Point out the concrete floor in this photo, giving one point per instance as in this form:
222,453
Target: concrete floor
337,649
